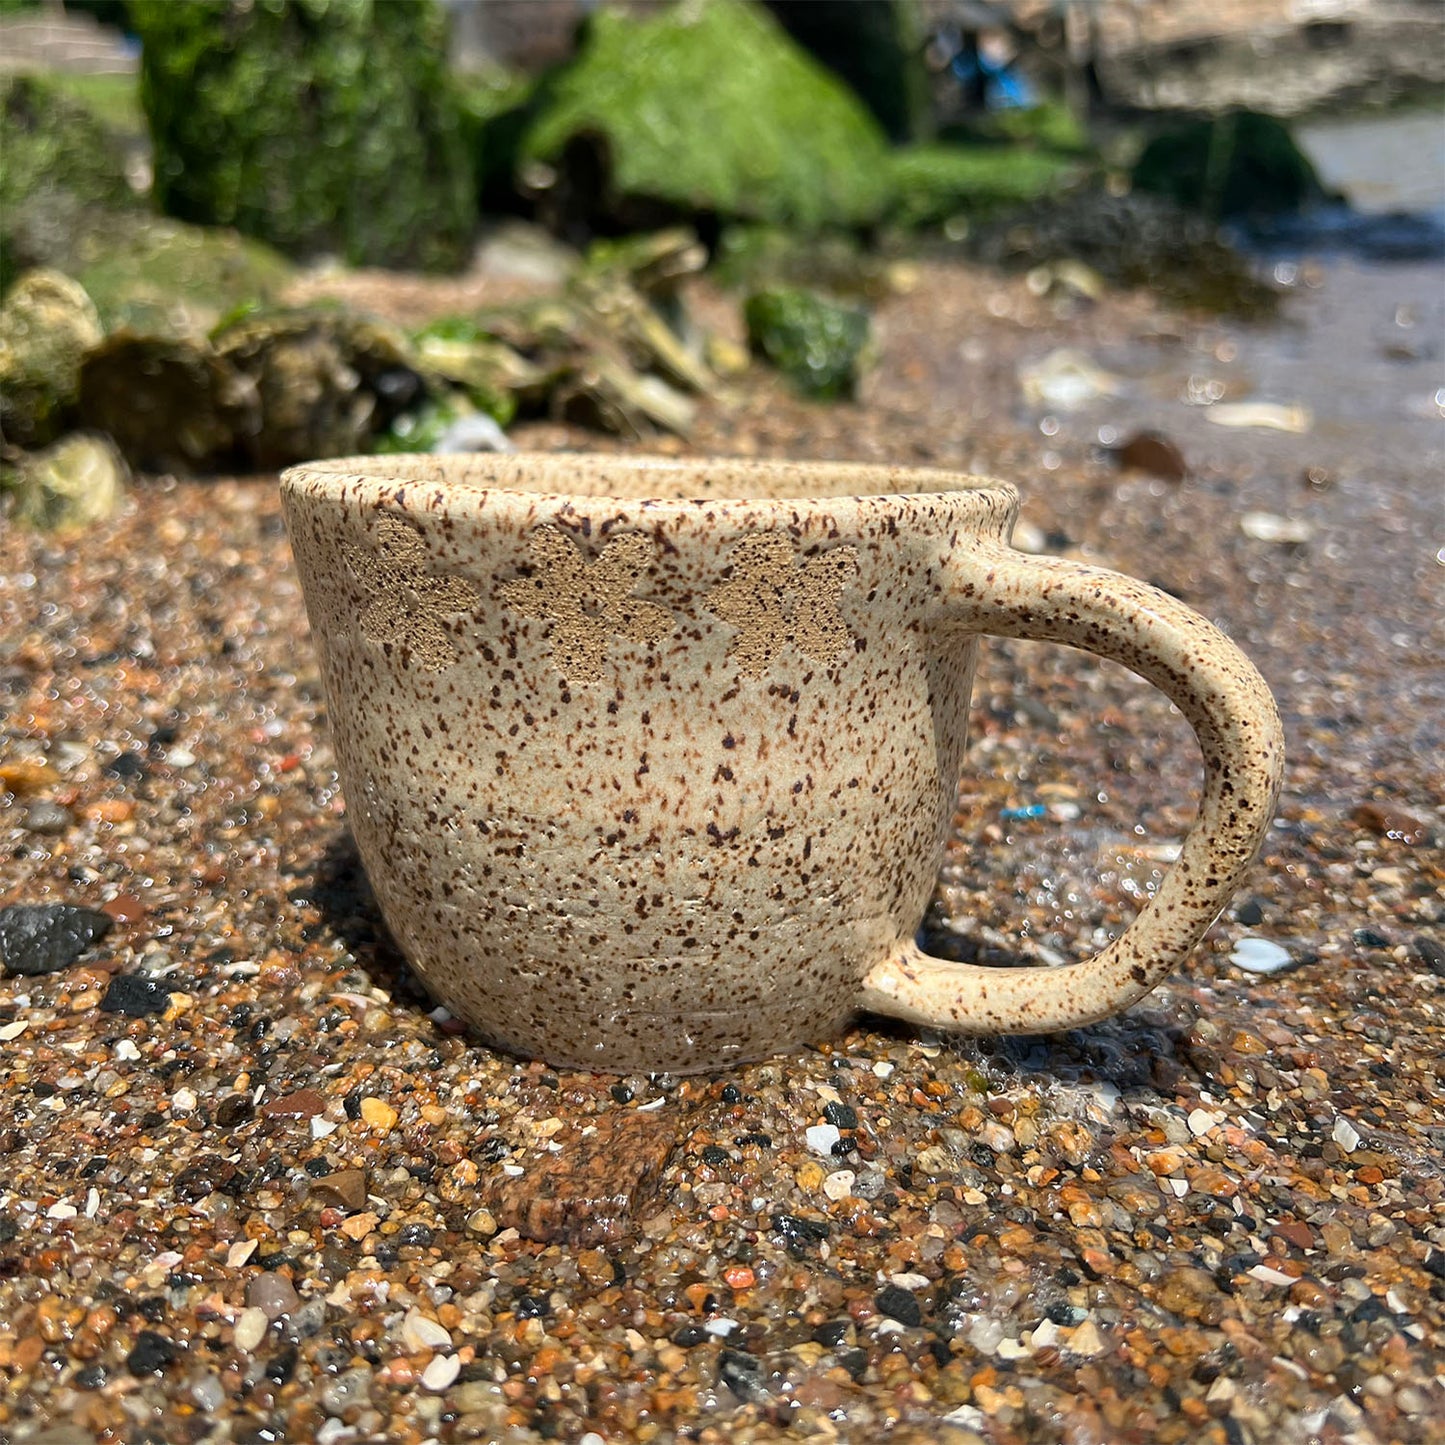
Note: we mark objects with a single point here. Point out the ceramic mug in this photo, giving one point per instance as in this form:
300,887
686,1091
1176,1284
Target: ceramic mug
651,762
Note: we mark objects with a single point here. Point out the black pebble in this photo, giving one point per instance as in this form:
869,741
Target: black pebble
898,1304
152,1353
530,1306
1250,913
1368,938
234,1110
742,1374
1429,953
794,1226
92,1377
135,996
280,1368
686,1336
714,1155
415,1236
854,1361
831,1334
731,1094
38,938
126,765
621,1093
841,1116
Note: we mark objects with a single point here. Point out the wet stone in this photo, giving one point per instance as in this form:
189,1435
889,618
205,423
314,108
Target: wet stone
136,997
346,1187
273,1294
234,1110
47,818
899,1304
39,938
152,1354
301,1104
844,1116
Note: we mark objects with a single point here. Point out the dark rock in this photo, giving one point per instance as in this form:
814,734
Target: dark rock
743,1374
1154,454
1389,822
37,938
685,1337
832,1333
1429,952
135,996
715,1156
795,1227
1250,913
234,1110
898,1304
1368,938
841,1115
152,1354
346,1187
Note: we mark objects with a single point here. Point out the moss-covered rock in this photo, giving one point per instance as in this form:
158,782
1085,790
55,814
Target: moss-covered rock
938,182
318,125
56,161
47,324
816,343
1238,164
707,107
171,405
78,481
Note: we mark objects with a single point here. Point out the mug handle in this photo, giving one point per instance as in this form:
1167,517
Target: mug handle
993,588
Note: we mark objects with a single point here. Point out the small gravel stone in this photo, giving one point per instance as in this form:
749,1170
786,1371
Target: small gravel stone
346,1187
251,1326
844,1116
152,1354
822,1137
1345,1135
377,1114
839,1184
899,1304
421,1332
136,997
346,1391
234,1110
47,818
1259,955
40,938
273,1294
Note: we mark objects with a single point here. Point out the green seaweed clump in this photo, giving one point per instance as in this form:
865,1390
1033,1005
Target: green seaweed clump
938,182
1237,164
816,343
709,107
318,125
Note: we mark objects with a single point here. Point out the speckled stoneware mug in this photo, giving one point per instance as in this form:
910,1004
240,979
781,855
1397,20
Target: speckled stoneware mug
651,762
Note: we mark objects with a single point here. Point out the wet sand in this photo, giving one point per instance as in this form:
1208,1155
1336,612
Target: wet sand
262,1193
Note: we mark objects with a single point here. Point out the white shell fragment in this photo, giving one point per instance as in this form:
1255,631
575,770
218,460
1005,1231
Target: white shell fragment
1259,955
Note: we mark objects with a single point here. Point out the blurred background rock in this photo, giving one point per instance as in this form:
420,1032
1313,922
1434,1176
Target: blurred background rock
217,184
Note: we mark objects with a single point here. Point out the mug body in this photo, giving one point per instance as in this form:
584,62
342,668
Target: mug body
648,762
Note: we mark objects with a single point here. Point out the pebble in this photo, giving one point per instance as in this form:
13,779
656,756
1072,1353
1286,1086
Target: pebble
1345,1135
135,997
346,1187
273,1294
250,1330
421,1332
151,1354
822,1137
41,938
378,1115
898,1304
1270,527
839,1184
1086,1340
46,818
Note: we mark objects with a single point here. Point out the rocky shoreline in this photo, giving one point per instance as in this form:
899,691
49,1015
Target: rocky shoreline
252,1185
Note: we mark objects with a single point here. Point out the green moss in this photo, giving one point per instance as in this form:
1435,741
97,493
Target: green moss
710,107
1238,164
56,161
936,182
319,125
114,100
47,324
816,343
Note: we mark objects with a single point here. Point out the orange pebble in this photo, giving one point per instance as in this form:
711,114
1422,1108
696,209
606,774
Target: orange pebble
739,1276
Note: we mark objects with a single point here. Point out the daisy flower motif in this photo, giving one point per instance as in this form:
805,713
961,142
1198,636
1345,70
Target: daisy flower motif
587,604
408,605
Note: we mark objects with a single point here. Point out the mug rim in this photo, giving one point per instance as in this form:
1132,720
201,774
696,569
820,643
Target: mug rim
332,477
